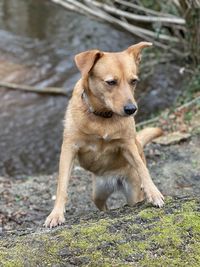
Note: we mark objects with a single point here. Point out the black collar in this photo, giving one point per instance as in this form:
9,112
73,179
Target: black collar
103,114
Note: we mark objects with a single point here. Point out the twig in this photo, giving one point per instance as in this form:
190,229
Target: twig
144,9
28,88
145,34
98,13
143,123
188,104
68,6
141,18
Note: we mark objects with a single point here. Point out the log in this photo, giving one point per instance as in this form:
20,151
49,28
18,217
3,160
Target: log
28,88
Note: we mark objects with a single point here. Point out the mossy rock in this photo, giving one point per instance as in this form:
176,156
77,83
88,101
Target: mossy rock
139,236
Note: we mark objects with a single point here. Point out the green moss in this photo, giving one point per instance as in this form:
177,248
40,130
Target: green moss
7,260
22,253
12,263
66,235
97,255
167,239
143,236
189,206
125,249
82,244
173,235
150,213
165,234
95,231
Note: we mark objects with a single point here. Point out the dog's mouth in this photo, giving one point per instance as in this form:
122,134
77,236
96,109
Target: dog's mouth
126,116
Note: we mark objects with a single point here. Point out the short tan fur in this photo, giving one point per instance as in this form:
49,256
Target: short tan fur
99,130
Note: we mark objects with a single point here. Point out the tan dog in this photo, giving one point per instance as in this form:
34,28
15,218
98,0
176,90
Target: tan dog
100,130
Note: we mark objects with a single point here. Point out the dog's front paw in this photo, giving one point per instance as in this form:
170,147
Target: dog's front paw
154,196
54,219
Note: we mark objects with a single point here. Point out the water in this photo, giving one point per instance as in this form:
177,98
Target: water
38,41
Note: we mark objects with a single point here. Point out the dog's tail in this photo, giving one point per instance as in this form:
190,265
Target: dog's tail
146,135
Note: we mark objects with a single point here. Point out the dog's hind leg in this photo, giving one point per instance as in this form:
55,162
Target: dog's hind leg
103,187
132,189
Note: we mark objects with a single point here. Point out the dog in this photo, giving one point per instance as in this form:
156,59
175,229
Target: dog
99,129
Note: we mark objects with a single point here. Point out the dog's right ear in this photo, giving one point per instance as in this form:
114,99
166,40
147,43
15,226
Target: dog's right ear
136,50
86,60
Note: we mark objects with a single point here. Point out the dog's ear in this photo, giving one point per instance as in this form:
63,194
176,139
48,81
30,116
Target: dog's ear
137,49
86,60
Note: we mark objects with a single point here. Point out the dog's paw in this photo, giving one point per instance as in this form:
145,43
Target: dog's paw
154,196
54,219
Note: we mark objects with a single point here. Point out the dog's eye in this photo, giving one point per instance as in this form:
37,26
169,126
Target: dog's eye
111,82
134,81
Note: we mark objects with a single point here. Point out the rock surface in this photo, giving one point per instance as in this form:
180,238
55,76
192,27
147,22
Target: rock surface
139,236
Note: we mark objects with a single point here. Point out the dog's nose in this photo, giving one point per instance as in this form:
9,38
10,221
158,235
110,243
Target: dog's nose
130,109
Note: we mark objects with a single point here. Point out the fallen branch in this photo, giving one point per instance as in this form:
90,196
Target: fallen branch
143,123
98,13
140,18
28,88
188,104
144,9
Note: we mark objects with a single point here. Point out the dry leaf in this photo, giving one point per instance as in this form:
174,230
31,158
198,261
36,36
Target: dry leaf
172,138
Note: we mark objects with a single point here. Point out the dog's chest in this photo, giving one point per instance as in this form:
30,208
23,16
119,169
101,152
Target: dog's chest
98,145
101,154
105,138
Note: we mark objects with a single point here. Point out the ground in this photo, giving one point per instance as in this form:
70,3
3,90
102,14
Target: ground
174,168
123,236
139,236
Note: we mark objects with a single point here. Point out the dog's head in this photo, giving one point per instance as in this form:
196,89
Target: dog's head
109,79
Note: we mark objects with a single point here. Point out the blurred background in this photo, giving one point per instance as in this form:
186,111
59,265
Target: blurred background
38,41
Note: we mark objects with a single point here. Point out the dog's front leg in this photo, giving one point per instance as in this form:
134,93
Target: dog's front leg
67,156
152,193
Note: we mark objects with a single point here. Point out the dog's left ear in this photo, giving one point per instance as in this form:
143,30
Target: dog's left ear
86,60
137,49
